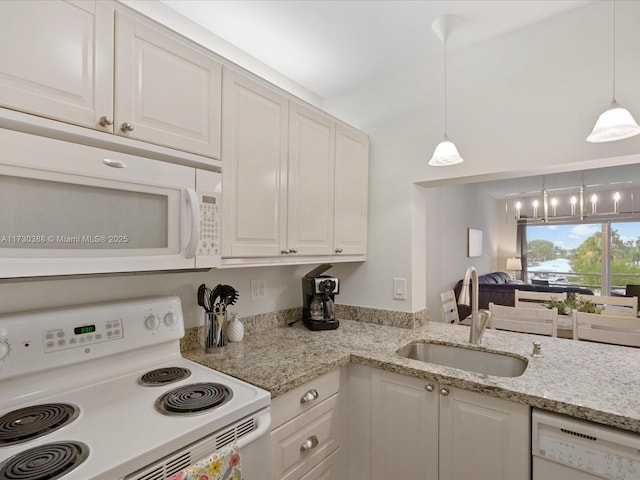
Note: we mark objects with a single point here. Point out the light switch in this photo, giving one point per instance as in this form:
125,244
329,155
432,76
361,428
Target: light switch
399,288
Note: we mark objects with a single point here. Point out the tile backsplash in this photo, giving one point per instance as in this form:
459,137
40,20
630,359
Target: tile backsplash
194,337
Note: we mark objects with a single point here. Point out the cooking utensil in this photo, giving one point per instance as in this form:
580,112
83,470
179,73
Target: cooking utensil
220,310
229,295
214,295
204,297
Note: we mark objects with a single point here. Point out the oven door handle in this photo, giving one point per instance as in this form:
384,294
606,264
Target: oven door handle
263,420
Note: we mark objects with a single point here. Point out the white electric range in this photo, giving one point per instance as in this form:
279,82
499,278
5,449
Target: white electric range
101,392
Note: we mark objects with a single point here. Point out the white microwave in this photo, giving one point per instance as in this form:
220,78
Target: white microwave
71,209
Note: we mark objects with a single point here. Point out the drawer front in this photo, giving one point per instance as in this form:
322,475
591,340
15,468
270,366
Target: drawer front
327,469
301,399
299,445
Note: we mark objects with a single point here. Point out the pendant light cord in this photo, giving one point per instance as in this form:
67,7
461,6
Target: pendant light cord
444,42
614,50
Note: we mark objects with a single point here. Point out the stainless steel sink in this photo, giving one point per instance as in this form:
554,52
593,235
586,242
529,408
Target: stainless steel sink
478,361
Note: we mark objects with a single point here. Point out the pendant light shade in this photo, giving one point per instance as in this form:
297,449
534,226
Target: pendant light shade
446,153
616,123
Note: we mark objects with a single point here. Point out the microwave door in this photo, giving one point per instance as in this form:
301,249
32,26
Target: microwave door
63,210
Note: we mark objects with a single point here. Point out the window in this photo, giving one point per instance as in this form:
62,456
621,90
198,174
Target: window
604,257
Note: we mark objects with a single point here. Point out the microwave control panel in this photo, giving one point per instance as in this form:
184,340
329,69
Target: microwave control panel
209,244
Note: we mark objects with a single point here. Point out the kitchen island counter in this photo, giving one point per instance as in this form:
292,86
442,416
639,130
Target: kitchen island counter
593,381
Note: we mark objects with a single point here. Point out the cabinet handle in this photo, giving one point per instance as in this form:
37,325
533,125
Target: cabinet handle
444,391
105,121
126,127
294,250
309,443
284,252
114,163
310,396
429,387
338,250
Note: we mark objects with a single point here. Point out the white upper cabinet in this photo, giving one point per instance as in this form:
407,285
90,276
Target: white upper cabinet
167,91
310,182
254,176
294,179
351,195
56,59
74,62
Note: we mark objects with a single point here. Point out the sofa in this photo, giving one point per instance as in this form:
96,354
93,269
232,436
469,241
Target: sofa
499,288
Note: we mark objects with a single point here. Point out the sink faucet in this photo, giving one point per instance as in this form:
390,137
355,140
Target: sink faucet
477,324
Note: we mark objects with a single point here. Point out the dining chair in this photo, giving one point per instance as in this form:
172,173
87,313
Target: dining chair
530,299
632,290
620,306
613,329
449,307
541,321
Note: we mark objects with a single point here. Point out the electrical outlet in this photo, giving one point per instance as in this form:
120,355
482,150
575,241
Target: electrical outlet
399,288
258,290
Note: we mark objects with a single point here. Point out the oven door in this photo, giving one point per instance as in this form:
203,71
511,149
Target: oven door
73,209
251,435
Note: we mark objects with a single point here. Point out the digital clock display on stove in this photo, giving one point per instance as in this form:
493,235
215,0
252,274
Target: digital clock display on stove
84,329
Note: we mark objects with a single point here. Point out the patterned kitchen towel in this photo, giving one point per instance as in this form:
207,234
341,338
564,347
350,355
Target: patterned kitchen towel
224,464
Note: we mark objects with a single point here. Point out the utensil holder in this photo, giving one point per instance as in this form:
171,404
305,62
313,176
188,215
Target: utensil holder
215,332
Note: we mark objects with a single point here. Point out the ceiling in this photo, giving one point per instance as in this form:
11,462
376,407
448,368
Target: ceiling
332,46
608,178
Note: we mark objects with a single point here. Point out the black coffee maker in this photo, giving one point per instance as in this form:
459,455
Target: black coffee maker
318,292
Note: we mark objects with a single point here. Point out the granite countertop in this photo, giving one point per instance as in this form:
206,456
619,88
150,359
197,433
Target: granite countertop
593,381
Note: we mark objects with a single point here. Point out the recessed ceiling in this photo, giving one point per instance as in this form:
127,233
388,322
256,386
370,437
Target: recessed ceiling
332,46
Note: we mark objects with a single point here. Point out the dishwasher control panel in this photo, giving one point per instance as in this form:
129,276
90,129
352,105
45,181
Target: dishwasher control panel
589,459
599,450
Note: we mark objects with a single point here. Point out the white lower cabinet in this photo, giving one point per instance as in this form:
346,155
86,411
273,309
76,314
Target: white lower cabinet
307,428
423,430
404,428
483,437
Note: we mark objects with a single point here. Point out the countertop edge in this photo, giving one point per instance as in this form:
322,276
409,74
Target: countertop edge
330,356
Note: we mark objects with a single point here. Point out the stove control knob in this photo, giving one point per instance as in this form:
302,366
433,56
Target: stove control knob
152,322
4,349
170,319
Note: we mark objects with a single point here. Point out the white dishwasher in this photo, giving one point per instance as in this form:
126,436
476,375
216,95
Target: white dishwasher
565,448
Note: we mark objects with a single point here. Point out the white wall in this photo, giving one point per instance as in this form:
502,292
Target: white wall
451,210
284,290
517,104
520,104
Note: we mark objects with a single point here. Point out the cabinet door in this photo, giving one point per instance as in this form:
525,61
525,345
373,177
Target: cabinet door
56,60
483,438
254,172
404,429
168,90
310,182
351,196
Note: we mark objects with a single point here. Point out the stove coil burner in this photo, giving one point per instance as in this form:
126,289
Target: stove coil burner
32,422
46,462
193,399
163,376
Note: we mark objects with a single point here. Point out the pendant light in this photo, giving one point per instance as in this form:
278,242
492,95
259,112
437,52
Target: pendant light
446,152
616,123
